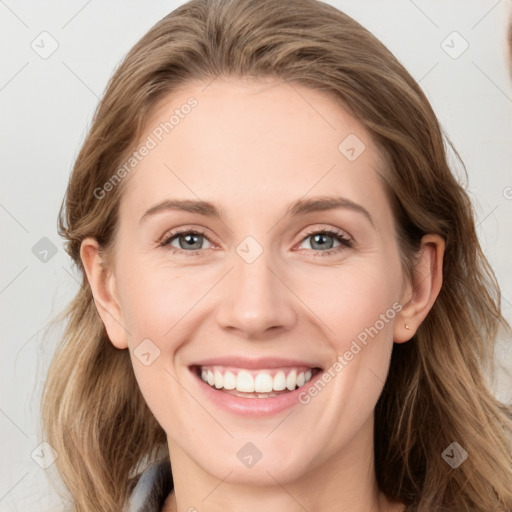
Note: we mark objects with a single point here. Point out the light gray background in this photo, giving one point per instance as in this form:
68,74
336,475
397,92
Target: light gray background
47,106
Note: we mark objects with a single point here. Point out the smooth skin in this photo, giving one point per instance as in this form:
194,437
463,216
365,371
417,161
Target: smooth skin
252,148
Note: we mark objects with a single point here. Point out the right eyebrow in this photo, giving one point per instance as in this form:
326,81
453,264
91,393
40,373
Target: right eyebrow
192,206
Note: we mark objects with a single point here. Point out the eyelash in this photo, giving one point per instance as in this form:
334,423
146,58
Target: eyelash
344,241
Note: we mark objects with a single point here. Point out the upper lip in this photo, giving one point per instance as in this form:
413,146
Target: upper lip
259,363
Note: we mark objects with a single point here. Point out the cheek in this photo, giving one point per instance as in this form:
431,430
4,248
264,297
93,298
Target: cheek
155,297
155,302
352,298
161,309
357,305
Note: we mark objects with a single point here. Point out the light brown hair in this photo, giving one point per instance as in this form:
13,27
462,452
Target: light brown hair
93,412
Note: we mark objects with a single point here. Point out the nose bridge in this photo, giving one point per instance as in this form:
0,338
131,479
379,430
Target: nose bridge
255,300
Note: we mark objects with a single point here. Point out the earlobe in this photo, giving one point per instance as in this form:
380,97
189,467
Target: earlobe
423,291
103,287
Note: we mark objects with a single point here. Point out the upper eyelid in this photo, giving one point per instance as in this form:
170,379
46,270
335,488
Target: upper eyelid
329,230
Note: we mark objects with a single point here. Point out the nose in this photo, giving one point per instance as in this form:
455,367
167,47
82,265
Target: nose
256,301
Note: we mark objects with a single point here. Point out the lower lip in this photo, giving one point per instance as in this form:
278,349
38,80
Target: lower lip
259,407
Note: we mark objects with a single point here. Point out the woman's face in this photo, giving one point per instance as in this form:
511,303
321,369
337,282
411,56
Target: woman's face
294,267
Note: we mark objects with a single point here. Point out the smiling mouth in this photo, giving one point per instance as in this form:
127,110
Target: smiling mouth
248,383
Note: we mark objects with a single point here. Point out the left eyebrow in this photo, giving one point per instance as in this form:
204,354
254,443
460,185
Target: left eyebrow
300,207
324,203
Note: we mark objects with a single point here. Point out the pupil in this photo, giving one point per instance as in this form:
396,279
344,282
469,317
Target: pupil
190,241
323,245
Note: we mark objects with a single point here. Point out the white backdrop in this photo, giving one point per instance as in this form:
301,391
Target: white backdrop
55,62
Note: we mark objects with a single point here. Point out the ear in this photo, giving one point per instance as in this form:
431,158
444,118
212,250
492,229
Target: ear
420,295
103,285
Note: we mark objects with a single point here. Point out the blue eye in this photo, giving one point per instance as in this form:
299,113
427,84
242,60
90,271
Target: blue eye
190,242
324,241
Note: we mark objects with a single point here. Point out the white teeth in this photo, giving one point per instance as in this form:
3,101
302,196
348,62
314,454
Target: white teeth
279,382
219,380
263,384
244,382
229,380
291,380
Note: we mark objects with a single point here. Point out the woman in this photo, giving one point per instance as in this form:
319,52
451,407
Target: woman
284,299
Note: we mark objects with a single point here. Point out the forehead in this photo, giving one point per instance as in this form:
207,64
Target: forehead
251,145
